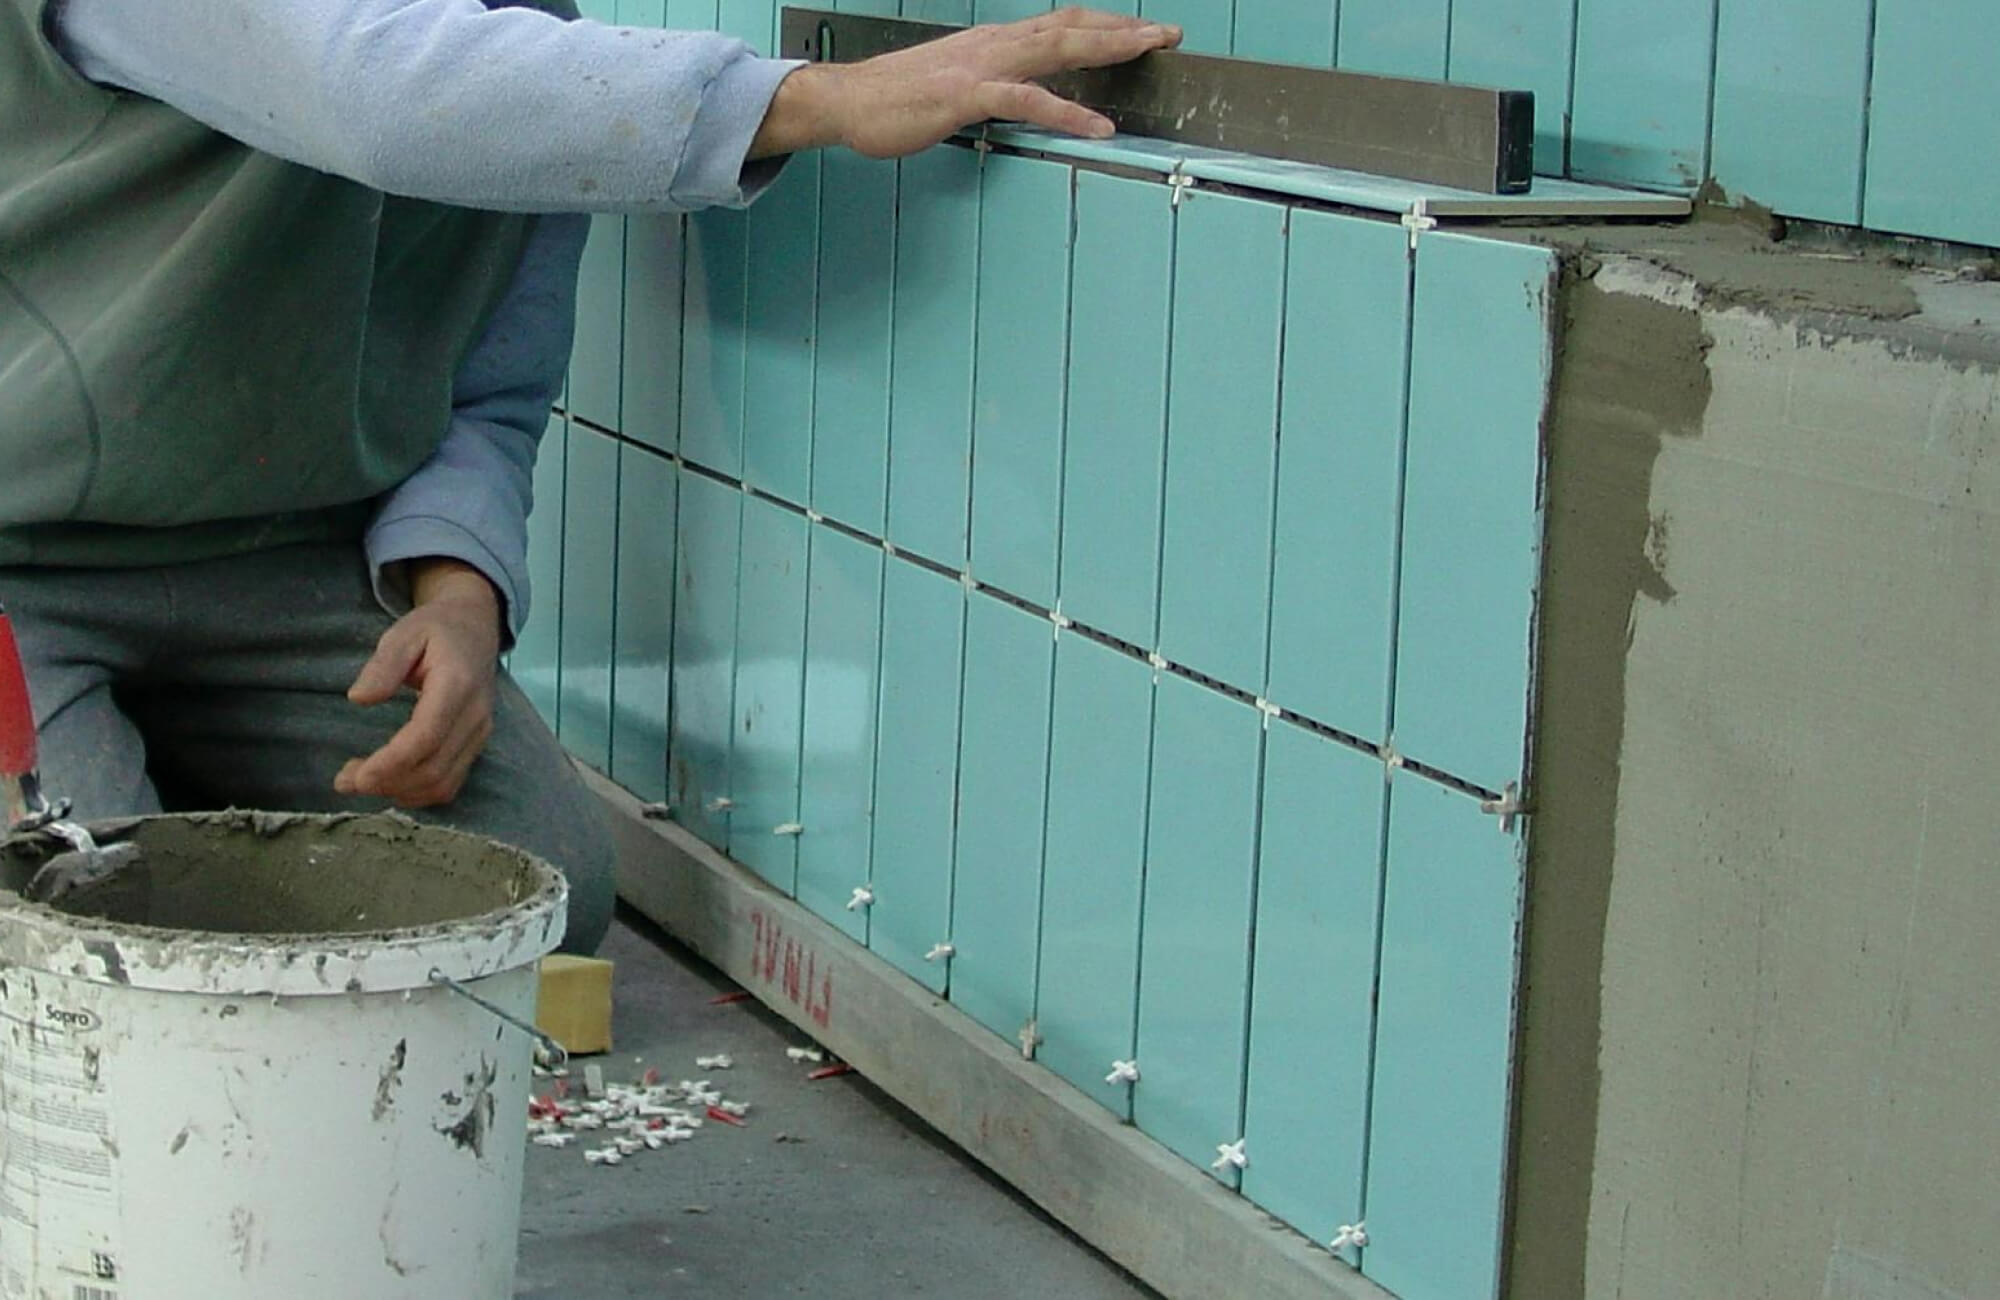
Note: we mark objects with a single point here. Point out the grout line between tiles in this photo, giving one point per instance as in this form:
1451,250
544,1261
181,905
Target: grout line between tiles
1106,639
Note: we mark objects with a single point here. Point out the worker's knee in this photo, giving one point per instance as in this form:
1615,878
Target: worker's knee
591,867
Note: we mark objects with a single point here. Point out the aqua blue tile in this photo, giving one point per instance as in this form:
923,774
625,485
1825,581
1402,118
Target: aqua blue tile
704,678
778,334
1222,427
939,11
748,21
602,11
1791,97
1206,22
1201,848
1115,446
1437,1162
590,569
713,341
1520,45
770,692
837,767
1100,768
690,15
594,364
1479,376
1934,128
882,8
1286,31
648,494
535,662
649,408
1006,11
1401,38
916,770
1319,872
930,431
1002,784
1333,589
642,13
850,468
1640,106
1017,429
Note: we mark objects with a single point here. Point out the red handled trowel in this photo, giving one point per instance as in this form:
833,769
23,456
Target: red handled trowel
27,808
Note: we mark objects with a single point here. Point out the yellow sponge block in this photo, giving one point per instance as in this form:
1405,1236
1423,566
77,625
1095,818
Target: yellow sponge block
574,1007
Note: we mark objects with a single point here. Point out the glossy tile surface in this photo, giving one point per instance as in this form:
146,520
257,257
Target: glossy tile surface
1115,446
1443,1048
1002,784
1100,770
589,569
1319,870
1222,426
643,640
769,694
916,774
704,678
851,376
1018,367
1340,471
778,334
930,439
842,693
1194,968
1479,373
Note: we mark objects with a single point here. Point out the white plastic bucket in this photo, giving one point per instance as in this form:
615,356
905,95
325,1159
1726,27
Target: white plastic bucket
229,1074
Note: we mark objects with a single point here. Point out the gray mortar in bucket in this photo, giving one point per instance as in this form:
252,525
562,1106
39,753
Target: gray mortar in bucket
284,877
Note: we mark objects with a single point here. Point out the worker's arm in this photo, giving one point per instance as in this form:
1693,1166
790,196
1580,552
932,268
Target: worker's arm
449,547
470,500
507,109
511,109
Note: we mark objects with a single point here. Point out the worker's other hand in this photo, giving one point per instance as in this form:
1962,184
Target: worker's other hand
908,100
448,648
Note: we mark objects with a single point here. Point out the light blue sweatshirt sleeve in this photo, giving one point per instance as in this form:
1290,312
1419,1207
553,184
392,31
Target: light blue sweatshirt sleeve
506,109
470,500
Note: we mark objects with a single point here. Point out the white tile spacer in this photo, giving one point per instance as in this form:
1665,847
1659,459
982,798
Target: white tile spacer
1392,761
814,516
603,1156
719,806
724,1061
889,548
1509,807
656,812
1158,660
967,581
1123,1072
805,1054
1030,1038
1419,219
941,952
1352,1236
1178,184
1230,1156
788,829
863,897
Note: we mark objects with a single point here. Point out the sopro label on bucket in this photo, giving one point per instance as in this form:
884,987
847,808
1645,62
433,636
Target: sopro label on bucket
74,1019
59,1182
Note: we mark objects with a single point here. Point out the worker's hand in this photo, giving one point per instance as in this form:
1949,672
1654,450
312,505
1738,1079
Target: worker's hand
448,648
898,103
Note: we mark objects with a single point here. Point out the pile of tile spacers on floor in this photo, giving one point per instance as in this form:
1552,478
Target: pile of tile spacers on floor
645,1116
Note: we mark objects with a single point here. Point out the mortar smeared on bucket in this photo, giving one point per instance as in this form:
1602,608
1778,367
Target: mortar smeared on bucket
230,1069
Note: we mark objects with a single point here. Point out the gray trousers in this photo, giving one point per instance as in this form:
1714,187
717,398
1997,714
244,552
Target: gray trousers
224,684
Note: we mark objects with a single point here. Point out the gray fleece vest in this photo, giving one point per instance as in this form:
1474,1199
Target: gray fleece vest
205,350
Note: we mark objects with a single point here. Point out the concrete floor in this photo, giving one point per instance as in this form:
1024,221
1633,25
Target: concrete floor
832,1190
